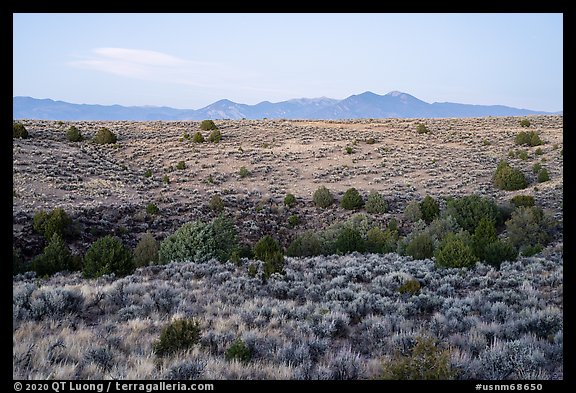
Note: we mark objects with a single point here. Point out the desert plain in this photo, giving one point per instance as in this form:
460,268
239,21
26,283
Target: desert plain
332,317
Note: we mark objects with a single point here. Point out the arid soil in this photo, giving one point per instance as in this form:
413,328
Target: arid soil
103,187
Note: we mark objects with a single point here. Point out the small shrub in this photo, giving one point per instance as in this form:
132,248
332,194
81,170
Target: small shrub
215,136
536,168
305,245
543,175
268,250
207,125
379,241
508,178
499,251
424,362
375,240
522,200
349,150
74,135
56,257
454,252
349,240
412,211
524,123
166,179
146,251
530,138
522,154
532,250
107,255
152,209
105,136
376,204
411,287
421,247
529,226
290,200
148,173
57,221
535,139
422,129
539,151
352,200
181,165
392,225
187,370
238,350
294,220
430,209
322,197
200,242
186,136
484,234
19,131
522,138
198,138
370,141
178,336
243,172
216,203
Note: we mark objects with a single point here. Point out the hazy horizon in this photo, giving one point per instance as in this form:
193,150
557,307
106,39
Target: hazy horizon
189,61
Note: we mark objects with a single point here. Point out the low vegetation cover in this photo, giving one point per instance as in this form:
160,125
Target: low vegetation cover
530,138
215,136
509,178
269,251
74,135
375,203
216,203
422,129
207,125
398,284
108,255
146,251
57,221
323,197
55,258
352,200
326,317
19,131
104,136
199,241
179,335
198,138
290,200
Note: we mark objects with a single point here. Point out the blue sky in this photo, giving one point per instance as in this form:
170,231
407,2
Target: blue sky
191,60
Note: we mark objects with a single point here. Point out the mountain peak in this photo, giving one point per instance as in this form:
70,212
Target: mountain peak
367,93
396,93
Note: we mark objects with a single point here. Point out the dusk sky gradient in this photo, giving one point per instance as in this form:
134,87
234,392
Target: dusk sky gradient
189,61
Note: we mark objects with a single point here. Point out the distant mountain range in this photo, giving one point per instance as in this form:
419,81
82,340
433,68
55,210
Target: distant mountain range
365,105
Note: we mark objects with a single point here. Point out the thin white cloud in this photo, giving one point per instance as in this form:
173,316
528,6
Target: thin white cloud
153,66
138,56
149,65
